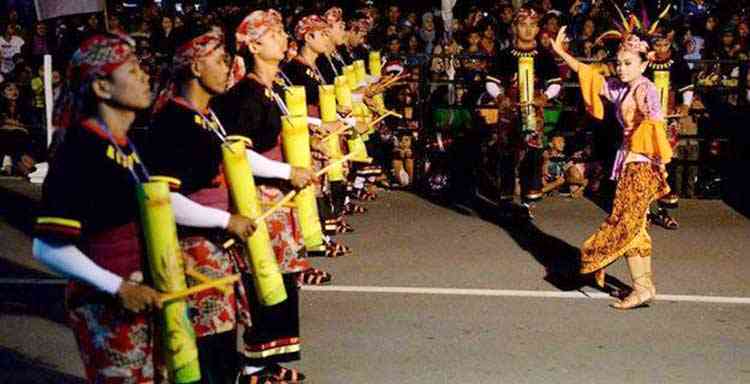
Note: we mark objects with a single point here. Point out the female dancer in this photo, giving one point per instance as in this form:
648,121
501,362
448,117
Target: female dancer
639,167
88,227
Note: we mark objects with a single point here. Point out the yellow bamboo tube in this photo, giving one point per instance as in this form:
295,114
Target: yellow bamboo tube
375,63
266,274
359,150
351,76
343,93
526,87
296,101
167,270
661,80
526,79
296,146
359,70
328,115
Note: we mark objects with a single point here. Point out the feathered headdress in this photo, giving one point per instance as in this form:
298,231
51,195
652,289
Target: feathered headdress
633,26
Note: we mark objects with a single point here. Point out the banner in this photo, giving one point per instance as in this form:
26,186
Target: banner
48,9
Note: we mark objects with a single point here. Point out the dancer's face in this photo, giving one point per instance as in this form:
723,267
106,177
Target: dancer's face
213,71
272,45
337,33
127,86
630,66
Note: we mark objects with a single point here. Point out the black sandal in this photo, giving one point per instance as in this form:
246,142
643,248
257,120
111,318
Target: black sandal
314,276
351,208
272,374
663,219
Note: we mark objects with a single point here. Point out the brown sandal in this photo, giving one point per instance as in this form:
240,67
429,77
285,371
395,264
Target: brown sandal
642,295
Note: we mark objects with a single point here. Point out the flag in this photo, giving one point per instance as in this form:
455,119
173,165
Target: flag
47,9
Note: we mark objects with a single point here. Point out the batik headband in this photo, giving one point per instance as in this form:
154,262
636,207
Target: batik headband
197,48
524,14
255,25
100,55
309,24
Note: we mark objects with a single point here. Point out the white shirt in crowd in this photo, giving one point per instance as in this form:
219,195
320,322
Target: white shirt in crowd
8,49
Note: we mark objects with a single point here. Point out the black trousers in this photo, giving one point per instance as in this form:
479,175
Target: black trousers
528,162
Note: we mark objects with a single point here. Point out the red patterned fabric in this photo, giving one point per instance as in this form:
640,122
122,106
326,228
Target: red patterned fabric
526,13
116,345
286,233
256,24
309,24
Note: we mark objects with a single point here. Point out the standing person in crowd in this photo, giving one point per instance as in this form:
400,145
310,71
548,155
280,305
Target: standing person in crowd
253,108
521,147
108,302
663,58
163,41
639,167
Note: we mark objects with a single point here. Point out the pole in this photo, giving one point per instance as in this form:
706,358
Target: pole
48,97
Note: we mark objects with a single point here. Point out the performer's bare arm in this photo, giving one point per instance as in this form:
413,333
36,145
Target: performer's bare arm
557,47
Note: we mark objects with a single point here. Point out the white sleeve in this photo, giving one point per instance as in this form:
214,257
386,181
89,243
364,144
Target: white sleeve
552,91
687,97
69,261
191,214
265,167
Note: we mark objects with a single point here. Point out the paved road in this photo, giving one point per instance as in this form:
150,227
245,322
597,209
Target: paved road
484,312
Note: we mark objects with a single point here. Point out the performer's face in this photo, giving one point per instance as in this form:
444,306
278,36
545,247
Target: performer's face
128,86
213,71
661,47
630,66
318,41
272,45
337,33
526,30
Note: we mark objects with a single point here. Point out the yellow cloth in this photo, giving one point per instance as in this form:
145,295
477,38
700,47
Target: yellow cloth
592,83
650,139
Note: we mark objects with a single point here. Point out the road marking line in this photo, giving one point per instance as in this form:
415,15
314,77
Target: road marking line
458,292
517,293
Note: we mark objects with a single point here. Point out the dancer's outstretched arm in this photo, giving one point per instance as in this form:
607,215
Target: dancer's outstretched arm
558,48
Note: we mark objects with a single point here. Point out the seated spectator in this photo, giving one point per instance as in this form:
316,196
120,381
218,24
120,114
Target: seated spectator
15,138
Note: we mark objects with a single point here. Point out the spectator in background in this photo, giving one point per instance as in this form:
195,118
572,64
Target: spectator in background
15,138
162,42
10,46
40,41
698,9
427,32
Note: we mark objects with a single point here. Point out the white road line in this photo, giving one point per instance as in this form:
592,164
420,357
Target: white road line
516,293
457,292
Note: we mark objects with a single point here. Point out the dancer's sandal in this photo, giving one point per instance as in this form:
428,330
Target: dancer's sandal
334,249
363,195
273,374
641,296
314,276
663,219
352,208
344,227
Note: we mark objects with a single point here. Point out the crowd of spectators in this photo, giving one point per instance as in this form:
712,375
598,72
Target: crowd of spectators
447,59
